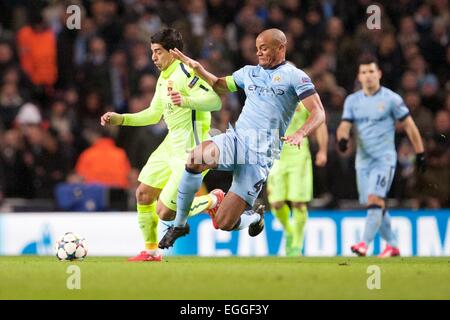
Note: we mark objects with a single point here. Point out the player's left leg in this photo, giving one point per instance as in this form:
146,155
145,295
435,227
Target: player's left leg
277,186
235,212
167,204
389,236
299,217
300,192
167,209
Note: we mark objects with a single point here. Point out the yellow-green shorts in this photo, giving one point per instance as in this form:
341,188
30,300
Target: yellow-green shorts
164,171
291,179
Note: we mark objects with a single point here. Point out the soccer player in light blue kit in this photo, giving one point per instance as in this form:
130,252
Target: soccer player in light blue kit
373,111
273,89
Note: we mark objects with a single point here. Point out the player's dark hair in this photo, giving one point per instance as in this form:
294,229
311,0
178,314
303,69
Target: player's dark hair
168,38
368,59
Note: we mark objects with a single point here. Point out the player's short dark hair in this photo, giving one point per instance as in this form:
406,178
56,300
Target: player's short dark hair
368,59
168,38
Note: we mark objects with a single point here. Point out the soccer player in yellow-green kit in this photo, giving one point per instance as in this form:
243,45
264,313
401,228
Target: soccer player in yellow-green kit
291,179
185,102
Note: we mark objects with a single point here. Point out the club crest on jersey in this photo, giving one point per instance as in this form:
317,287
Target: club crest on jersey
276,78
381,107
305,80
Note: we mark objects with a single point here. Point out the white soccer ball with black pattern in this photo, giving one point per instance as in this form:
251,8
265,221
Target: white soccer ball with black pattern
71,247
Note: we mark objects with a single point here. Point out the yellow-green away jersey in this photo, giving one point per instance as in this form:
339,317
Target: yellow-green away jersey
188,126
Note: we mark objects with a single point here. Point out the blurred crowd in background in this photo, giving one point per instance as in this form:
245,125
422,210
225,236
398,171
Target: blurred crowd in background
56,82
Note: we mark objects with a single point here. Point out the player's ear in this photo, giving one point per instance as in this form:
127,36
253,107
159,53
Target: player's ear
358,76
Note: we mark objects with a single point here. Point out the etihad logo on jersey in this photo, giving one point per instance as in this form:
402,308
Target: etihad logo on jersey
367,119
266,91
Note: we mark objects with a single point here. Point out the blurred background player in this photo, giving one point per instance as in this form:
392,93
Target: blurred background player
291,179
185,102
374,110
273,89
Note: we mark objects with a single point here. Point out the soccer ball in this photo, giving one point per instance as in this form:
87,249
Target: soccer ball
71,247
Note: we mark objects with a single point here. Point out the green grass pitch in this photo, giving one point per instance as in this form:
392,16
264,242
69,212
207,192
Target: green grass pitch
28,277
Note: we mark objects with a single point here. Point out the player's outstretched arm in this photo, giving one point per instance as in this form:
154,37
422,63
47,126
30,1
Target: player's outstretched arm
322,140
218,84
315,119
146,117
111,118
416,140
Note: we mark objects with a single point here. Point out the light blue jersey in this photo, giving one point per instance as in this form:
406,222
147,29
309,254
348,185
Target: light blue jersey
272,97
374,118
250,149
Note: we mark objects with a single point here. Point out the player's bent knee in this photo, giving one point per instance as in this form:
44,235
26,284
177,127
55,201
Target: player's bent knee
143,196
299,205
225,225
165,213
277,205
223,222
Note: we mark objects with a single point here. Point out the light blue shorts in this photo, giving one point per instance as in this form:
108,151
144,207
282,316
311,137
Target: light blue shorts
374,181
250,169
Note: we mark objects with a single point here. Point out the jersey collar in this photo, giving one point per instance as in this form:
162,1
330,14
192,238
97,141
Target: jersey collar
373,94
278,65
170,69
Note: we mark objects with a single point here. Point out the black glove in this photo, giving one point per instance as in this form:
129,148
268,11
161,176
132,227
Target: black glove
343,145
421,162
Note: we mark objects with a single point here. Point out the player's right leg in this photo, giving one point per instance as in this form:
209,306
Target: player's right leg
146,197
362,182
153,177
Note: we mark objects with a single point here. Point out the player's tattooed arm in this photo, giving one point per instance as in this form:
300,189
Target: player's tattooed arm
316,117
218,84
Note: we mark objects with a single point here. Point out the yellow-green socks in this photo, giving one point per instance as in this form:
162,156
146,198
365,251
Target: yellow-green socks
200,204
299,216
148,223
283,215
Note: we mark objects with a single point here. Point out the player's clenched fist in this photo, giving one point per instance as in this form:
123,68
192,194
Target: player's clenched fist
321,159
111,118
